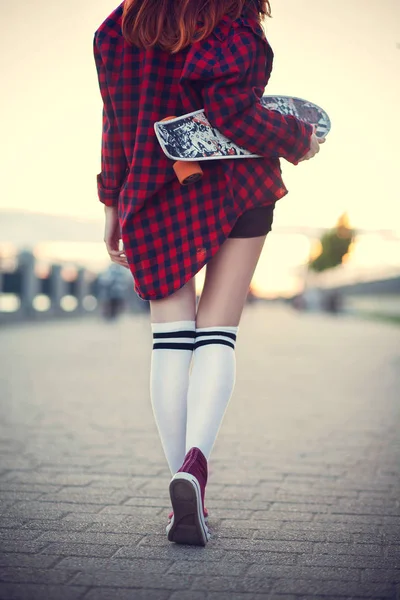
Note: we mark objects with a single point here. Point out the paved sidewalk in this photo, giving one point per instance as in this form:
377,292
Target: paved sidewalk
304,484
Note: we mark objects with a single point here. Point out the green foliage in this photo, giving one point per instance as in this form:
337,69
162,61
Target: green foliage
335,244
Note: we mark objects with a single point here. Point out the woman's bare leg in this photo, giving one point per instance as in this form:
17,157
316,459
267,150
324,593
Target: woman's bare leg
228,277
180,306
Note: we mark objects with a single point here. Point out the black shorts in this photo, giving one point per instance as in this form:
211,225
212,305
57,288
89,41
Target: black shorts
254,222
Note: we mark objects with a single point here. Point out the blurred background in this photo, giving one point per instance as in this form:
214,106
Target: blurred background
335,244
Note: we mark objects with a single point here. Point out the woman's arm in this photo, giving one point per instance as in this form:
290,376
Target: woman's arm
219,70
113,160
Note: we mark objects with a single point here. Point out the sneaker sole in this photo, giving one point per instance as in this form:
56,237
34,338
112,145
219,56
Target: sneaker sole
188,525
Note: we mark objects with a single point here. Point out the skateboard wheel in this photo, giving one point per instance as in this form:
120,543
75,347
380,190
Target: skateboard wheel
188,172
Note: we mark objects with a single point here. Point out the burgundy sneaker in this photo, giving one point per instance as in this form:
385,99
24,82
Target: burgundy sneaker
187,489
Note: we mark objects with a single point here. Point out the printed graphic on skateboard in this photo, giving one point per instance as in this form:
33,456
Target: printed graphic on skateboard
191,138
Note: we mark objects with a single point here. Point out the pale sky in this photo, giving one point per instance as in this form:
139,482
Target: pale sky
340,54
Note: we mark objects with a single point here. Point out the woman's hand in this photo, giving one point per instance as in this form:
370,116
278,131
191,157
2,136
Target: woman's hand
112,236
314,146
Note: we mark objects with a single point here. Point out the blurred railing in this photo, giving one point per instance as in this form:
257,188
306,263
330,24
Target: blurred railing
35,290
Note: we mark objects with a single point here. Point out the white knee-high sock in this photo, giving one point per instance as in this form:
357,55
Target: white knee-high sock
211,384
173,345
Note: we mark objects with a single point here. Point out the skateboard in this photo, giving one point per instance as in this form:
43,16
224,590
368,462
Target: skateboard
191,138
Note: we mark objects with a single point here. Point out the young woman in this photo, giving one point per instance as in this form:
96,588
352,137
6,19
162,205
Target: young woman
157,58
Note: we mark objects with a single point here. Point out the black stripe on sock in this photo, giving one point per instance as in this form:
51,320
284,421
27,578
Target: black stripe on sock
175,334
172,346
217,332
215,341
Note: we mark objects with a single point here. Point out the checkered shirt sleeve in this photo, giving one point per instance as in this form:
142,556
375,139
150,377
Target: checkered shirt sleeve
219,68
113,160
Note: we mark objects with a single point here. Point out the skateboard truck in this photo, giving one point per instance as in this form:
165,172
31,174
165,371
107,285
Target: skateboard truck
186,171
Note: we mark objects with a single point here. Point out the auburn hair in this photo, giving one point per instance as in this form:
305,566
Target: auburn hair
175,24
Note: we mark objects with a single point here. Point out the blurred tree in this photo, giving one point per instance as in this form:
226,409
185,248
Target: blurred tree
333,246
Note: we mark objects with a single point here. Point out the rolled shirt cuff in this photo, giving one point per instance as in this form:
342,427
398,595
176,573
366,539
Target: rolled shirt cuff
109,197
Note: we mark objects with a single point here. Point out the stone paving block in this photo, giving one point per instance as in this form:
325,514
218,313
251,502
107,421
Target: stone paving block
379,497
352,519
209,568
189,595
261,558
232,585
300,508
148,511
115,539
28,575
157,540
238,514
149,502
18,535
350,560
391,534
38,488
27,547
12,496
71,549
51,478
86,563
343,548
133,577
234,493
323,597
284,597
55,525
304,572
238,529
265,545
171,552
302,535
135,527
38,511
86,497
130,594
304,499
92,518
71,463
14,559
14,591
336,527
65,507
15,463
214,504
248,596
346,589
385,575
11,522
102,481
393,551
282,515
370,539
392,521
361,508
250,525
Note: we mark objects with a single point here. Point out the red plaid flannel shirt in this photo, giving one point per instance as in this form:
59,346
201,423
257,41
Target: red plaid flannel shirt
171,231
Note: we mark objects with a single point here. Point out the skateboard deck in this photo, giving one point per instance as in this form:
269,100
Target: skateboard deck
191,137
